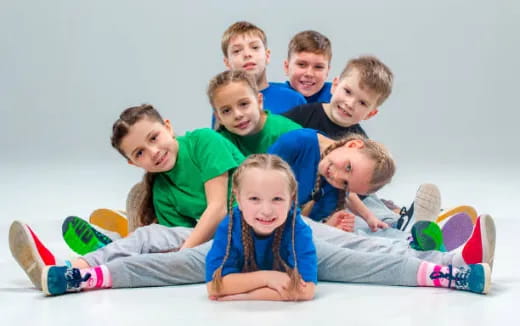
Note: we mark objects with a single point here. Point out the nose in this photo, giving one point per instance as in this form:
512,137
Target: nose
247,53
308,71
238,114
267,209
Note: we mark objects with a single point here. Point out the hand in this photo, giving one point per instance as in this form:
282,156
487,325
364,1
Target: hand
231,297
342,220
374,224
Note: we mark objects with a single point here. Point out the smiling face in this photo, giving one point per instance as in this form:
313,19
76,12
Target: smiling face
348,168
264,198
150,145
350,103
247,52
238,108
307,72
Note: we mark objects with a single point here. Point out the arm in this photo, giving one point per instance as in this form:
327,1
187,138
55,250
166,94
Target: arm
265,293
259,285
216,190
356,205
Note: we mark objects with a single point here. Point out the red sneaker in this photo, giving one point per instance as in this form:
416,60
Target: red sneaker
480,247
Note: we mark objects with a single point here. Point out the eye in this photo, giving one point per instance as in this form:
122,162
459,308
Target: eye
225,111
319,67
235,51
244,103
301,64
347,91
138,154
278,199
348,168
256,47
253,198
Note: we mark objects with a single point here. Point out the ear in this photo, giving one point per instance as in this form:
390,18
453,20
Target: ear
267,56
355,143
169,127
371,114
217,117
260,98
226,63
286,67
335,83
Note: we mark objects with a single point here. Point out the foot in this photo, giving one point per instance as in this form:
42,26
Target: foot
61,279
82,237
474,278
425,207
29,252
111,220
480,247
427,236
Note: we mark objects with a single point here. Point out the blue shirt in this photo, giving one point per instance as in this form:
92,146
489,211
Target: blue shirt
300,148
322,96
303,246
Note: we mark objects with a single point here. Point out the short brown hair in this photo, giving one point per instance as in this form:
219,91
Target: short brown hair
374,75
241,28
310,41
227,77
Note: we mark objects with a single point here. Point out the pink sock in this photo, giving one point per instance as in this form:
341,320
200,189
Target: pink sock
430,274
99,277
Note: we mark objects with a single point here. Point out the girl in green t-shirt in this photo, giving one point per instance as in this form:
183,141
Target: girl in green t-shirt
237,106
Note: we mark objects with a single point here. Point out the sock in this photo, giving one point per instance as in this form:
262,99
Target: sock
99,277
47,257
430,274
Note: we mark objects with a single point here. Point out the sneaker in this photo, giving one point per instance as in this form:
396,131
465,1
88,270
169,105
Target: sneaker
24,248
457,230
61,279
468,210
474,278
480,247
82,237
427,236
110,220
425,207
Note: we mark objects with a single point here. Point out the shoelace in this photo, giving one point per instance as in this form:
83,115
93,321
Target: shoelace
74,279
460,278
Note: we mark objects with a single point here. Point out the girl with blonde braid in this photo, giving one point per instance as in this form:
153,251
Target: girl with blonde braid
263,250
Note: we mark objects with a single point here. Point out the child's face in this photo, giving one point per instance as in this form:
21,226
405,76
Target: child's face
346,167
150,145
247,52
238,108
307,72
350,103
264,198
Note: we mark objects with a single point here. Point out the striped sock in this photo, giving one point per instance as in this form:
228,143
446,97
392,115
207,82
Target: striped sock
430,274
99,277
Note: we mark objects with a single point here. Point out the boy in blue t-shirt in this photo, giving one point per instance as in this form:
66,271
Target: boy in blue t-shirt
244,46
307,66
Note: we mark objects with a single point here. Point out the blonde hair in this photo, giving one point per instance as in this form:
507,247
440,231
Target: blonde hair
374,75
241,28
310,41
384,169
227,77
265,162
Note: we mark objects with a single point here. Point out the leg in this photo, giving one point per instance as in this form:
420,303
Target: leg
152,238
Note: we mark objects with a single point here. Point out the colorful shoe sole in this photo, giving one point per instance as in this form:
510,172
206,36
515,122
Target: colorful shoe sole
457,230
81,237
470,211
427,203
480,248
110,220
427,236
25,252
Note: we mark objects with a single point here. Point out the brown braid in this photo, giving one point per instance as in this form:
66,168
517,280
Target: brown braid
145,208
249,248
217,275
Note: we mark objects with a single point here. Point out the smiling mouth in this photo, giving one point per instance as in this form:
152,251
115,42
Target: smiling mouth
265,221
343,112
242,125
162,159
249,66
307,84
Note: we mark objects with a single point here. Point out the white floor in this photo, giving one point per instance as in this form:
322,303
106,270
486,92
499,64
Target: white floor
44,195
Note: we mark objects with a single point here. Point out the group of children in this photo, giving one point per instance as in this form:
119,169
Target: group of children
261,208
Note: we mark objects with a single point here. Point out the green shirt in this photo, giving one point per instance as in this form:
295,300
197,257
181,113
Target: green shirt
275,125
179,198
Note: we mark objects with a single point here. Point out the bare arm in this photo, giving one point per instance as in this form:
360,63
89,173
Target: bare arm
359,208
216,191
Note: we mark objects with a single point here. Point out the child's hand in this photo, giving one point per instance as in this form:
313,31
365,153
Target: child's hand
232,297
342,220
279,282
374,223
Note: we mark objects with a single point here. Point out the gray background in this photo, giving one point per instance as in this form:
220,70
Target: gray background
67,68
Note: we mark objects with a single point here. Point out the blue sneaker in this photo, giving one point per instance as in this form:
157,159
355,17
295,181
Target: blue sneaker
474,278
62,279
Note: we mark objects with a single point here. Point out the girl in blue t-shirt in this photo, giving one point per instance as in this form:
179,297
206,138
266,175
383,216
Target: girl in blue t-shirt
263,250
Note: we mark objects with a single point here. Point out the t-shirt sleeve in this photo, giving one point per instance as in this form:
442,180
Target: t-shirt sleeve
305,251
285,147
214,153
217,253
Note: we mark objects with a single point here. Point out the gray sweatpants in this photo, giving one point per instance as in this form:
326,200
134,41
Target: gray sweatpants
144,258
